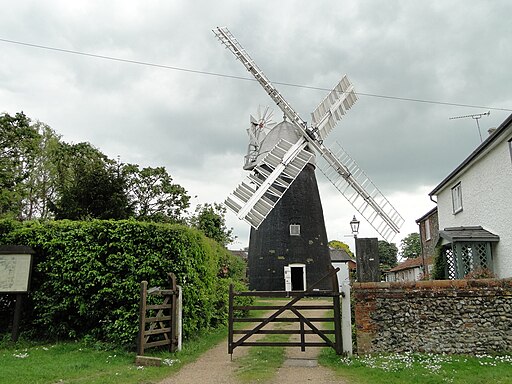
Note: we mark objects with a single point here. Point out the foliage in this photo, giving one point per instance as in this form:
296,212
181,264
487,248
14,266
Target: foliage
90,185
387,254
341,245
438,272
86,277
18,142
480,273
210,219
43,177
153,195
410,246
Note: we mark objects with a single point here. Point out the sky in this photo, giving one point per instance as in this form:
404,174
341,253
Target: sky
414,65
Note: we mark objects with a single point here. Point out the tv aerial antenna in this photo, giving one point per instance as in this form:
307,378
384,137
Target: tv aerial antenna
476,117
258,194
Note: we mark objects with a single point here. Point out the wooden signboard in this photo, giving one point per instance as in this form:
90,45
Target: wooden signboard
15,271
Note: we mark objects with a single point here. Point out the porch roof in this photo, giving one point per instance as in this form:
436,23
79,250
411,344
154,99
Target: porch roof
476,233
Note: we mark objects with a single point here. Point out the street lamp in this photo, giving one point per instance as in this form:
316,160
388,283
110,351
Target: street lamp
354,224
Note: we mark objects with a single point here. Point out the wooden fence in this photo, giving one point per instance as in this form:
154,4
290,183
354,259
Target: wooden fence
158,324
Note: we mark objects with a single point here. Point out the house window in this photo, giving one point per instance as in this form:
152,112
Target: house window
294,229
427,229
510,148
457,198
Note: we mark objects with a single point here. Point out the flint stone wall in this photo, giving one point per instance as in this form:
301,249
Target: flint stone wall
443,316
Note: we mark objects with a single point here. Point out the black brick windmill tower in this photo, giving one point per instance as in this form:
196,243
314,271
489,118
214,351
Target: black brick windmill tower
288,247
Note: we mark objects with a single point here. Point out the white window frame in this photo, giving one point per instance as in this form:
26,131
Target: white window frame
298,265
428,235
457,198
294,229
510,149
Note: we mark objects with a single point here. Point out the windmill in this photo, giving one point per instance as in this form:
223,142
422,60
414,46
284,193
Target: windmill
281,188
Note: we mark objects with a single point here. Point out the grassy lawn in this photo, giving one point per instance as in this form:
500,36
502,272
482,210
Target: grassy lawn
78,362
420,368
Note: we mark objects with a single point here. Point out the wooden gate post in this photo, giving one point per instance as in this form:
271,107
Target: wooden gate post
142,317
174,313
230,320
337,315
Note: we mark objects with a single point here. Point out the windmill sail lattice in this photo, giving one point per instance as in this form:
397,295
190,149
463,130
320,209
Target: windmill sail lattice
254,199
366,200
333,107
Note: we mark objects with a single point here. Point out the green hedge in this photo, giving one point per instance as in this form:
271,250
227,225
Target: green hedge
86,276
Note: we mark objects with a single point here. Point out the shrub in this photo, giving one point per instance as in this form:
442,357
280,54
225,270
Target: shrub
480,273
438,272
86,275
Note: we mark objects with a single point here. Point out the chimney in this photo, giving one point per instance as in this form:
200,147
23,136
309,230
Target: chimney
490,131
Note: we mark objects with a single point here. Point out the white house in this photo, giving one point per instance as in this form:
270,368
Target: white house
474,205
411,270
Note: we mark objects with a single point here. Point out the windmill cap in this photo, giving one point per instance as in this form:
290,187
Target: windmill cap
284,130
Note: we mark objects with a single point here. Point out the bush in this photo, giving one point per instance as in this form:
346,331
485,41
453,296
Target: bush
480,273
438,272
86,275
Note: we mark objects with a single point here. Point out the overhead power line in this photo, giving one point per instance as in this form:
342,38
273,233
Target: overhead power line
148,64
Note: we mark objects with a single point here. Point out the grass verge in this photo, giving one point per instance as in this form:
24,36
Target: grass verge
79,362
420,368
261,363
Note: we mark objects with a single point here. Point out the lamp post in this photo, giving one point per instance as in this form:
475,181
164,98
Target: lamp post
354,225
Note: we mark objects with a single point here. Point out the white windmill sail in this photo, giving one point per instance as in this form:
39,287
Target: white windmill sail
253,203
362,193
256,196
333,107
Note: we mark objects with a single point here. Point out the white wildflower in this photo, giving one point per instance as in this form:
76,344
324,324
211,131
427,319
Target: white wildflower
170,362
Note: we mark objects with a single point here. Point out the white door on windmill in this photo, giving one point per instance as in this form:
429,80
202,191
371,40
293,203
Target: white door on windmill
297,277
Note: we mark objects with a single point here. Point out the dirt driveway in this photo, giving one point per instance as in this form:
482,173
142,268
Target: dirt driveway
216,366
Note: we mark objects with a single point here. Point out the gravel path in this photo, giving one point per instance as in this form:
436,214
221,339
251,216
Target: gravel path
215,366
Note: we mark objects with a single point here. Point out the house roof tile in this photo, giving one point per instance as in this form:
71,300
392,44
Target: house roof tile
340,255
429,213
412,263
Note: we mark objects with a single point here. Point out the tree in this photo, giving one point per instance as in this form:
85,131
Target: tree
43,177
210,219
341,245
90,185
387,254
410,246
18,143
153,195
41,181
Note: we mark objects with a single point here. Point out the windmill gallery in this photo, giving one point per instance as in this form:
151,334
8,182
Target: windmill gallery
279,198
